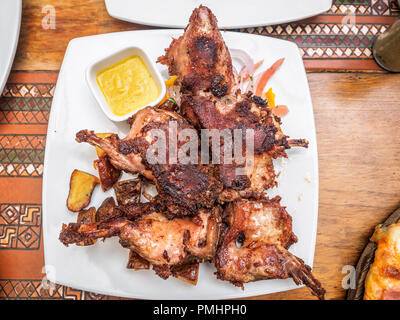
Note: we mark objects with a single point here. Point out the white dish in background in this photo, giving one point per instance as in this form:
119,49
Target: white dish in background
111,59
10,21
231,14
101,268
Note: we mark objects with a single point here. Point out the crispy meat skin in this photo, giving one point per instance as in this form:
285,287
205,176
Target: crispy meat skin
107,173
203,65
85,217
128,191
254,243
129,163
237,111
187,272
136,262
183,188
106,210
200,57
241,112
173,242
162,242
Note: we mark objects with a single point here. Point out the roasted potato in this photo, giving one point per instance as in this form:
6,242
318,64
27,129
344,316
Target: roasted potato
107,173
86,217
106,209
187,272
81,187
136,262
128,191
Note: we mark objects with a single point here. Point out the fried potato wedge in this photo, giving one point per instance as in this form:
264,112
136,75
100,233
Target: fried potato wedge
136,262
108,174
86,217
81,187
128,191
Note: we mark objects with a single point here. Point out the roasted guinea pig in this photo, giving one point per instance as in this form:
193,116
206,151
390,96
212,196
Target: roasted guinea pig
183,188
164,243
254,245
203,64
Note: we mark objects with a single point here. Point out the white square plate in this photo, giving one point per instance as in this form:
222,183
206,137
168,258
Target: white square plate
231,14
101,268
10,21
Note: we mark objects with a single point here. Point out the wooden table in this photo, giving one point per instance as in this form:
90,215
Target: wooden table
358,129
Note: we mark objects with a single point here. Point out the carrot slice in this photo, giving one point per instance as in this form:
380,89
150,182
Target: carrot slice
258,64
267,75
163,100
280,110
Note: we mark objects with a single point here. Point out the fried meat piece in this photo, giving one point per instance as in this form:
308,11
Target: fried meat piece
183,188
128,191
108,175
155,238
203,65
254,243
106,210
165,242
237,112
187,272
86,217
136,262
200,57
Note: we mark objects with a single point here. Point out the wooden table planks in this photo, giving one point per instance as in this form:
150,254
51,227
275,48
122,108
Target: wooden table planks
43,49
358,129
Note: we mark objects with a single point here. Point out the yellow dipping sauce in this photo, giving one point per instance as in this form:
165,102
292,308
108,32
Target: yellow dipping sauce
127,85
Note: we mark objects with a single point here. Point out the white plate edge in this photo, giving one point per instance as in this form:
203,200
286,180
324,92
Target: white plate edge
177,26
14,49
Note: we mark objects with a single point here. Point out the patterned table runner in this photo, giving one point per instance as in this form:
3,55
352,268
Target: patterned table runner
24,114
342,38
